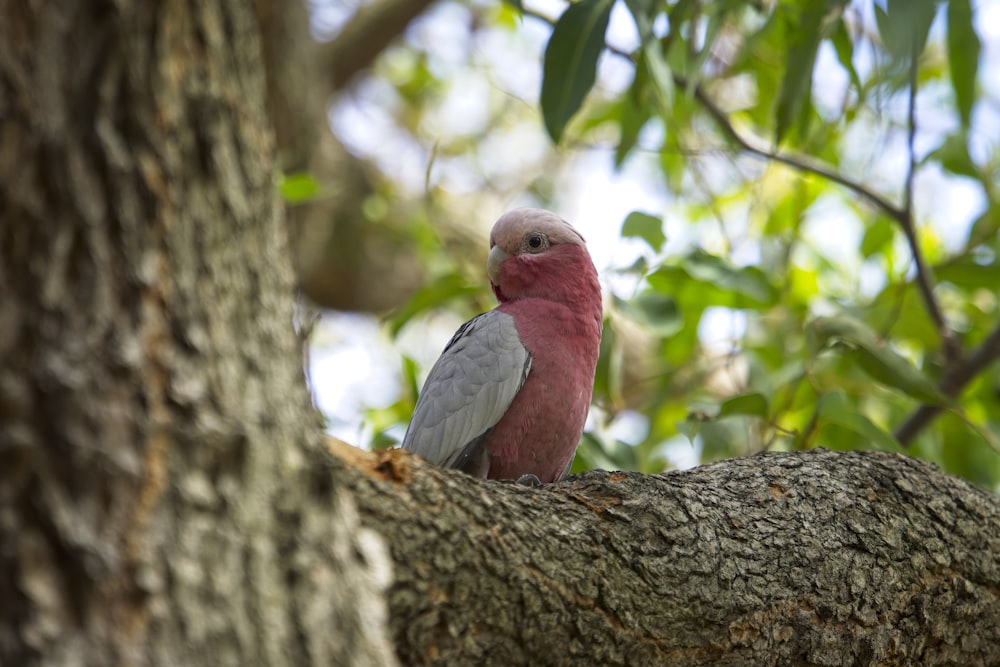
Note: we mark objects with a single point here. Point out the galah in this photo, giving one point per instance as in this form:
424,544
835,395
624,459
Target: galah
508,397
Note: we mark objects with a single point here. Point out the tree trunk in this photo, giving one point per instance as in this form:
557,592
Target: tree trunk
161,496
164,499
808,558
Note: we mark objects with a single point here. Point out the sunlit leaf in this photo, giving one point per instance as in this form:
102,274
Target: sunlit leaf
889,368
837,410
644,12
657,311
878,360
383,440
748,281
969,273
845,52
596,453
432,295
298,188
634,112
571,56
690,428
716,20
608,376
878,236
986,226
703,280
904,26
953,154
963,57
725,437
753,404
800,58
976,459
647,227
674,166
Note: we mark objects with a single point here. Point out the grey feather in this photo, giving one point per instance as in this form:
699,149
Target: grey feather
468,390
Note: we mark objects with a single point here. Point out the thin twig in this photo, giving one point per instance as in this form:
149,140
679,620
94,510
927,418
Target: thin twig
722,120
925,275
959,372
951,384
800,163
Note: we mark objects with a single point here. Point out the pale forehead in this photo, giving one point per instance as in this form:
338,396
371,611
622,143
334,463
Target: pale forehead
513,225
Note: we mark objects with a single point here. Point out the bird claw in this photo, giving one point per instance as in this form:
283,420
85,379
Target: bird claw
529,480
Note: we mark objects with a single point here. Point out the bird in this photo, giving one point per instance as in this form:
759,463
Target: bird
509,395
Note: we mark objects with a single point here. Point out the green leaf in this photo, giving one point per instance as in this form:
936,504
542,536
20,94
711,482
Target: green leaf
440,291
904,26
647,227
657,311
953,154
963,57
690,428
970,274
703,280
878,236
653,60
693,73
596,453
844,47
837,410
878,361
570,67
800,58
298,188
748,281
753,404
986,226
633,114
882,364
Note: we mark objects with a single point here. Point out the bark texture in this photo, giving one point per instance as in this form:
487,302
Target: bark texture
164,499
809,558
161,500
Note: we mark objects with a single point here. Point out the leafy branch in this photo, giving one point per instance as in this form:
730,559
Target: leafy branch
907,44
950,344
954,379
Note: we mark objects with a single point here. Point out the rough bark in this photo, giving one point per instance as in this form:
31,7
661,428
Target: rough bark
809,558
160,498
163,498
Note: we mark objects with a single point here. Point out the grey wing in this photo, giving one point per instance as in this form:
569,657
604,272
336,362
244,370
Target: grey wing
468,390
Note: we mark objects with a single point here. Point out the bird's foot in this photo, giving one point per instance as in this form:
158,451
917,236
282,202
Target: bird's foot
529,480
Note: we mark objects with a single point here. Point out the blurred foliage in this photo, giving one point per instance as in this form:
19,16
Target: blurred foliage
772,126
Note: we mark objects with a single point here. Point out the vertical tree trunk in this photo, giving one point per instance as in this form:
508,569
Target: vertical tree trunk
162,496
159,501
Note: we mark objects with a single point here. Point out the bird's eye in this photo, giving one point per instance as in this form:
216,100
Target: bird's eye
535,242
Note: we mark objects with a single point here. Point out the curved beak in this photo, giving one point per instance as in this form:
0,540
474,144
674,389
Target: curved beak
493,262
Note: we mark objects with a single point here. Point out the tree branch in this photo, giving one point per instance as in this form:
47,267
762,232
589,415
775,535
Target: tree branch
951,384
812,557
800,163
950,344
365,36
721,119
